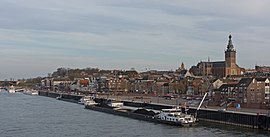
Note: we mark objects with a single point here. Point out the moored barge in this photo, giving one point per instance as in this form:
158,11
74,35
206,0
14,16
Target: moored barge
166,116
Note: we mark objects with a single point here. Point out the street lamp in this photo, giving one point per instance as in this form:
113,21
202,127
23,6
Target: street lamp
157,98
177,97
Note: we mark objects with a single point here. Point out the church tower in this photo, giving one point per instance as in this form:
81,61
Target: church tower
231,67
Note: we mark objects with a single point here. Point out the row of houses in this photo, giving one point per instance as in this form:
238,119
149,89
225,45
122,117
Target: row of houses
250,92
247,91
151,82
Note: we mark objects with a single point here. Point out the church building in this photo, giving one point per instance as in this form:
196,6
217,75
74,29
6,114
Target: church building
219,68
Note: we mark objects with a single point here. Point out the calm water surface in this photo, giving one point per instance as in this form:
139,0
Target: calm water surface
37,116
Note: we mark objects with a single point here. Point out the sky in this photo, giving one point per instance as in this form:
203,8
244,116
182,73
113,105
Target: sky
39,36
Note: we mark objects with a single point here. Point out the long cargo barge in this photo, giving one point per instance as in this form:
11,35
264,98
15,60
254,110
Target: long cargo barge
123,112
172,116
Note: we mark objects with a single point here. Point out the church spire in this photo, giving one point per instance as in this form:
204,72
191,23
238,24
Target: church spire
182,66
230,45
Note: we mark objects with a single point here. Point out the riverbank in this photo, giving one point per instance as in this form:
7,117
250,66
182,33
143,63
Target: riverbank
177,101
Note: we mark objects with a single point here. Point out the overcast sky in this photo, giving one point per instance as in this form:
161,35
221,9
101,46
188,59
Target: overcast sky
39,36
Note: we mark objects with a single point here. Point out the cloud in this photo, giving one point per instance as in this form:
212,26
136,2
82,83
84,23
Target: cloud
153,34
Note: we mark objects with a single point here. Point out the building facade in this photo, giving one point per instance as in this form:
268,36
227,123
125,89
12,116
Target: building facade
249,92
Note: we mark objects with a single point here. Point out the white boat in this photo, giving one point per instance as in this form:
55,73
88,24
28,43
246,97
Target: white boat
175,116
89,101
34,93
85,99
115,104
11,89
31,92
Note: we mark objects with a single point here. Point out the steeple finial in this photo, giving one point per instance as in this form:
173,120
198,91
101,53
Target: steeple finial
230,45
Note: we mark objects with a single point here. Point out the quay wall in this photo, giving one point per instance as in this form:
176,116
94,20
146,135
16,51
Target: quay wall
64,95
241,119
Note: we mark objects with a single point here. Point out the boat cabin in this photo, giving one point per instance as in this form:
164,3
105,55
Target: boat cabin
175,115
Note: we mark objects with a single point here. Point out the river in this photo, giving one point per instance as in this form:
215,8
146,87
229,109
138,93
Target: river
37,116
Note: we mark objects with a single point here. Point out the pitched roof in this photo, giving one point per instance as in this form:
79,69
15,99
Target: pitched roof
225,87
219,64
244,82
260,79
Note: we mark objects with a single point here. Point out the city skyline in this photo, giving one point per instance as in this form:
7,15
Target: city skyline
37,37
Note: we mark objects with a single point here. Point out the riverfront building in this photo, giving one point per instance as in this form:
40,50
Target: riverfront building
249,92
262,69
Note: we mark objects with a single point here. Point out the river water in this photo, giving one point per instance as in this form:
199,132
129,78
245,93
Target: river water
37,116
